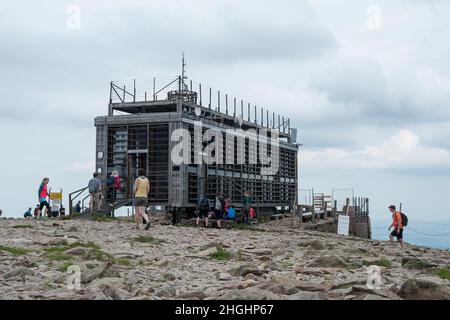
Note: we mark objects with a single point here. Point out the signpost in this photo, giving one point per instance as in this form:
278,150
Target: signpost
343,225
56,202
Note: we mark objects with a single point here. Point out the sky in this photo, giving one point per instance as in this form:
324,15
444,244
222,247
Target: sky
365,82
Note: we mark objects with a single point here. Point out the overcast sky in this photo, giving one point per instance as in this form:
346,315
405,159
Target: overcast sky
365,82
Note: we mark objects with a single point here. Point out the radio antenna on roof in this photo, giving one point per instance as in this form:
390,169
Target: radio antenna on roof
183,68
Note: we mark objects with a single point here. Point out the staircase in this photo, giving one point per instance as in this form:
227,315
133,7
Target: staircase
106,209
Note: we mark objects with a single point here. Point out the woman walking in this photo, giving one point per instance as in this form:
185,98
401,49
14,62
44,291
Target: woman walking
141,190
43,193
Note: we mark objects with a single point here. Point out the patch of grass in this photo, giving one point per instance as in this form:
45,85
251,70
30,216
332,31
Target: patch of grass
221,254
57,252
23,226
145,239
85,245
381,263
444,273
71,216
55,249
287,264
63,245
65,266
59,257
123,261
263,219
13,250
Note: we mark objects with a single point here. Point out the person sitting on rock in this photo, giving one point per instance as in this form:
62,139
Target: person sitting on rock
28,215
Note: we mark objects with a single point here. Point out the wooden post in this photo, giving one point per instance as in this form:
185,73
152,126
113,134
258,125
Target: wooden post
313,209
347,206
335,208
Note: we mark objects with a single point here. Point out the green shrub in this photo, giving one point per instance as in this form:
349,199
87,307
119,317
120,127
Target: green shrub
13,250
23,226
444,273
59,257
145,239
221,254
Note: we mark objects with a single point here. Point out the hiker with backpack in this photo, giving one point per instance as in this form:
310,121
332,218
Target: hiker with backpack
95,192
203,211
399,221
114,184
219,206
247,203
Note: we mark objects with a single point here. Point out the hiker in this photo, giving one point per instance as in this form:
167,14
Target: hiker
246,207
114,184
27,215
43,193
226,206
62,211
202,211
141,190
397,223
36,211
95,191
77,207
219,208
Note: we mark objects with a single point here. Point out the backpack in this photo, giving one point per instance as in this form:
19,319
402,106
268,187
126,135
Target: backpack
204,204
252,213
110,181
218,204
404,219
231,213
92,186
117,183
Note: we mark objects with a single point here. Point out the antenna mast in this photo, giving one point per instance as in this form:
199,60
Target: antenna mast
183,68
183,74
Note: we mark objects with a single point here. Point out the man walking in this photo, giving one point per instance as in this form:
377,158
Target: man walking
95,191
397,223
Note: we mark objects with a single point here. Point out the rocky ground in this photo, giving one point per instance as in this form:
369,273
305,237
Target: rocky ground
272,262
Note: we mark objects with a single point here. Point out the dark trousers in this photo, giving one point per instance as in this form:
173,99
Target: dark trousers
246,215
176,216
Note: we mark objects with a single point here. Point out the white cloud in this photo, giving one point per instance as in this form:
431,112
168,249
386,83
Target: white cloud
401,151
